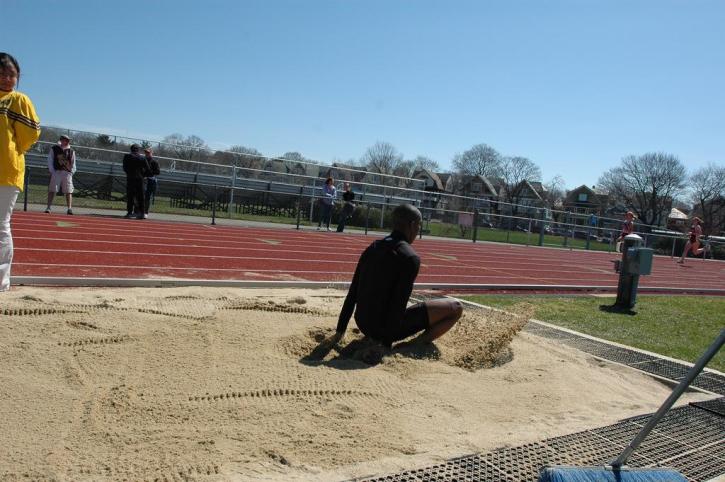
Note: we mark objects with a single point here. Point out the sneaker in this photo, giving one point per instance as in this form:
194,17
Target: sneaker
682,261
145,216
47,210
128,216
328,229
69,211
319,227
141,216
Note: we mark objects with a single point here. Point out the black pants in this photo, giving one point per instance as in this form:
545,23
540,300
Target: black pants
135,196
151,185
345,214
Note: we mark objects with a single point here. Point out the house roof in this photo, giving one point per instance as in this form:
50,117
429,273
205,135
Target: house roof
593,191
468,179
533,189
676,214
431,175
444,176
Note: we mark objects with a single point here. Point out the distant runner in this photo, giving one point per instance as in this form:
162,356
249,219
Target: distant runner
693,242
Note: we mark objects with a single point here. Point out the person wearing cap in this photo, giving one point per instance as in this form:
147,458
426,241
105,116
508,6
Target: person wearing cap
135,166
693,242
62,166
19,129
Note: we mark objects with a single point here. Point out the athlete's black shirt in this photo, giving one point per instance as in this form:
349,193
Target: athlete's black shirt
381,286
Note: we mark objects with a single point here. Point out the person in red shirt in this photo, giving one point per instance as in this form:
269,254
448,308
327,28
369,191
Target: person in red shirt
693,242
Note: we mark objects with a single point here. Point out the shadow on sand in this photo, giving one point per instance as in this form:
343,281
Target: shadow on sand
361,353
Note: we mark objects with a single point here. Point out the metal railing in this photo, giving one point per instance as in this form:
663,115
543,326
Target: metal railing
101,185
245,188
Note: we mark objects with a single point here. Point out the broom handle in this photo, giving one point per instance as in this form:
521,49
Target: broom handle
679,390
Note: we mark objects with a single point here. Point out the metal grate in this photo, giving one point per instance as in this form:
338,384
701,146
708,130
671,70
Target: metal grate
555,334
699,465
593,347
711,382
625,356
464,469
716,406
664,368
524,462
688,425
583,448
690,440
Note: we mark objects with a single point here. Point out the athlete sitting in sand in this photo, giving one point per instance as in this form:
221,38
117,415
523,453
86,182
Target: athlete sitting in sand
381,287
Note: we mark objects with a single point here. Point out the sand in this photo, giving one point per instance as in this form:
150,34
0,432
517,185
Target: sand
227,384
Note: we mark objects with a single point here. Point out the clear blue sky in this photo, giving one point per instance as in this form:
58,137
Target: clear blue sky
572,85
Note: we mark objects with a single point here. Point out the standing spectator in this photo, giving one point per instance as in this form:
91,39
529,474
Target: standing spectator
151,181
348,196
19,129
135,166
326,202
693,242
593,220
62,166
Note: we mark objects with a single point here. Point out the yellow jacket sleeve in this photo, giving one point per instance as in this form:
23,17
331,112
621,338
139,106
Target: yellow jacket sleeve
27,124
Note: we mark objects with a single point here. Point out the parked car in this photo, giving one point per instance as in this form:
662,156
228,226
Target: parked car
584,235
537,229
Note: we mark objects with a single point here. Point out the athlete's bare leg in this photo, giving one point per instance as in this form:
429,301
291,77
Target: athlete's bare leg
442,315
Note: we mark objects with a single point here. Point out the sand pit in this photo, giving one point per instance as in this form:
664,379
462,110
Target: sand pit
225,384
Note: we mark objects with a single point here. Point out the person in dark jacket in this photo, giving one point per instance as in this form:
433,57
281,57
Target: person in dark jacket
347,196
151,180
381,287
135,166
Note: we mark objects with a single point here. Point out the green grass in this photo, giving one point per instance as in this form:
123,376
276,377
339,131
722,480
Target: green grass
512,237
676,326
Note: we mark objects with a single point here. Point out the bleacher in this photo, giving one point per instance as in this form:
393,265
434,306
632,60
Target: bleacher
197,190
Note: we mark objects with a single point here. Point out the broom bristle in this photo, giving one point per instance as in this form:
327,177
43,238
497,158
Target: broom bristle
608,474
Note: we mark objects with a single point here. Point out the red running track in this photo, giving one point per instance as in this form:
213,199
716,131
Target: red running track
53,245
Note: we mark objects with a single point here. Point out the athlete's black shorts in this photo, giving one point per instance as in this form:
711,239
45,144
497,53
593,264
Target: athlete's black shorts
415,319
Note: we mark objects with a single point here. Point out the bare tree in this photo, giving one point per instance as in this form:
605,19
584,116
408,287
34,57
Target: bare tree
515,171
190,147
479,160
383,158
409,167
247,157
555,191
405,168
708,195
646,184
294,162
294,156
105,141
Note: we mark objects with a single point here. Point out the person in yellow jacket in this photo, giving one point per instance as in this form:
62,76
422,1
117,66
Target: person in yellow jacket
19,129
